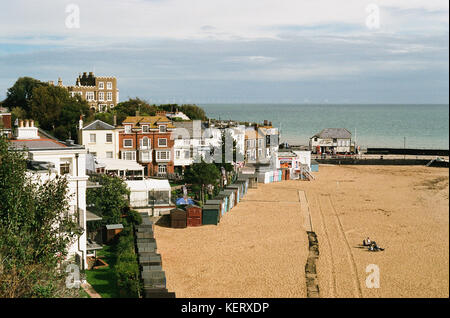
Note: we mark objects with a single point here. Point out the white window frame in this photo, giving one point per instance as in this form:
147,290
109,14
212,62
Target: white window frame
148,146
109,153
162,128
162,171
109,96
125,146
158,155
145,156
95,138
128,129
101,96
146,130
90,96
177,154
106,137
109,85
159,144
101,85
125,153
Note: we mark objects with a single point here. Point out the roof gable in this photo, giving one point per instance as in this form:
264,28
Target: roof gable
98,125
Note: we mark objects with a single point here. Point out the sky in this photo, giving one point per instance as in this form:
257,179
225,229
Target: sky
235,51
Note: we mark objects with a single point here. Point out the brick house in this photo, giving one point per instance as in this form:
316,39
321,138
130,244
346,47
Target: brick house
147,140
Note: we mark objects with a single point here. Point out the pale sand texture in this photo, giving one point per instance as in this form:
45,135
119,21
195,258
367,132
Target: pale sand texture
259,249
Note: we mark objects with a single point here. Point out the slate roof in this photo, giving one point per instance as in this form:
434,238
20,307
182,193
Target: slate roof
37,144
340,133
98,125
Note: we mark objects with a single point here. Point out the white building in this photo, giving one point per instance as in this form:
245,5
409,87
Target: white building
192,140
64,159
152,196
331,140
100,139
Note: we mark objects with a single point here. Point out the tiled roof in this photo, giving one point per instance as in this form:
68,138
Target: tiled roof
334,133
36,144
150,120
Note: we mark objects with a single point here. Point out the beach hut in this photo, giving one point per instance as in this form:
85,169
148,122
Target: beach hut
280,175
154,279
211,214
112,230
240,186
194,215
244,184
178,218
252,180
149,259
231,197
237,189
224,199
314,166
219,202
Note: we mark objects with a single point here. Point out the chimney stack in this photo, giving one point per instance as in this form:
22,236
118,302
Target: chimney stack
265,122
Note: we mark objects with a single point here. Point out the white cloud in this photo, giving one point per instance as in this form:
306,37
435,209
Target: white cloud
107,20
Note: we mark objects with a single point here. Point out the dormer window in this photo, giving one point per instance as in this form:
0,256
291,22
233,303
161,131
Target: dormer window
162,128
145,128
128,129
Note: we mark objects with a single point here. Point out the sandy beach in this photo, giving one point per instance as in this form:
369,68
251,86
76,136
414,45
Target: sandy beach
259,249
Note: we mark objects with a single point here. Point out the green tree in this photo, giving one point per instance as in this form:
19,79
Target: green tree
129,108
21,93
57,112
201,175
35,229
110,201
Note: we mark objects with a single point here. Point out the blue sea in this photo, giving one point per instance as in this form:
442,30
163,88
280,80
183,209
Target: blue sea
396,126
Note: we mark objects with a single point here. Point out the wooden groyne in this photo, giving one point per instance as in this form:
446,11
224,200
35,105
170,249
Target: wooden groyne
312,284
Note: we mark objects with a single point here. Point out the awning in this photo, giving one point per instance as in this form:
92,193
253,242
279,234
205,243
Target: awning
92,216
92,246
114,226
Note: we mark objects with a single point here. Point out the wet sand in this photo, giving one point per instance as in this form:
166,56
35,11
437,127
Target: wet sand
259,249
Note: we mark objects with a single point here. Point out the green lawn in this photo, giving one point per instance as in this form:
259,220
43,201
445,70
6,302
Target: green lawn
103,280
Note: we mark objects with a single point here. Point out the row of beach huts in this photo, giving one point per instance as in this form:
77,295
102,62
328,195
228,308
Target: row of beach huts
215,208
150,262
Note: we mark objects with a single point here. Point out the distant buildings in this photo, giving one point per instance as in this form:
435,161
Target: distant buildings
100,92
332,141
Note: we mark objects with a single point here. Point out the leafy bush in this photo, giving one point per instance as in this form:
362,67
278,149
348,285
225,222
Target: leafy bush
127,268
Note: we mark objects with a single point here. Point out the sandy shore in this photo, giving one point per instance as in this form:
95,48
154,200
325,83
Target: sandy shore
259,249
